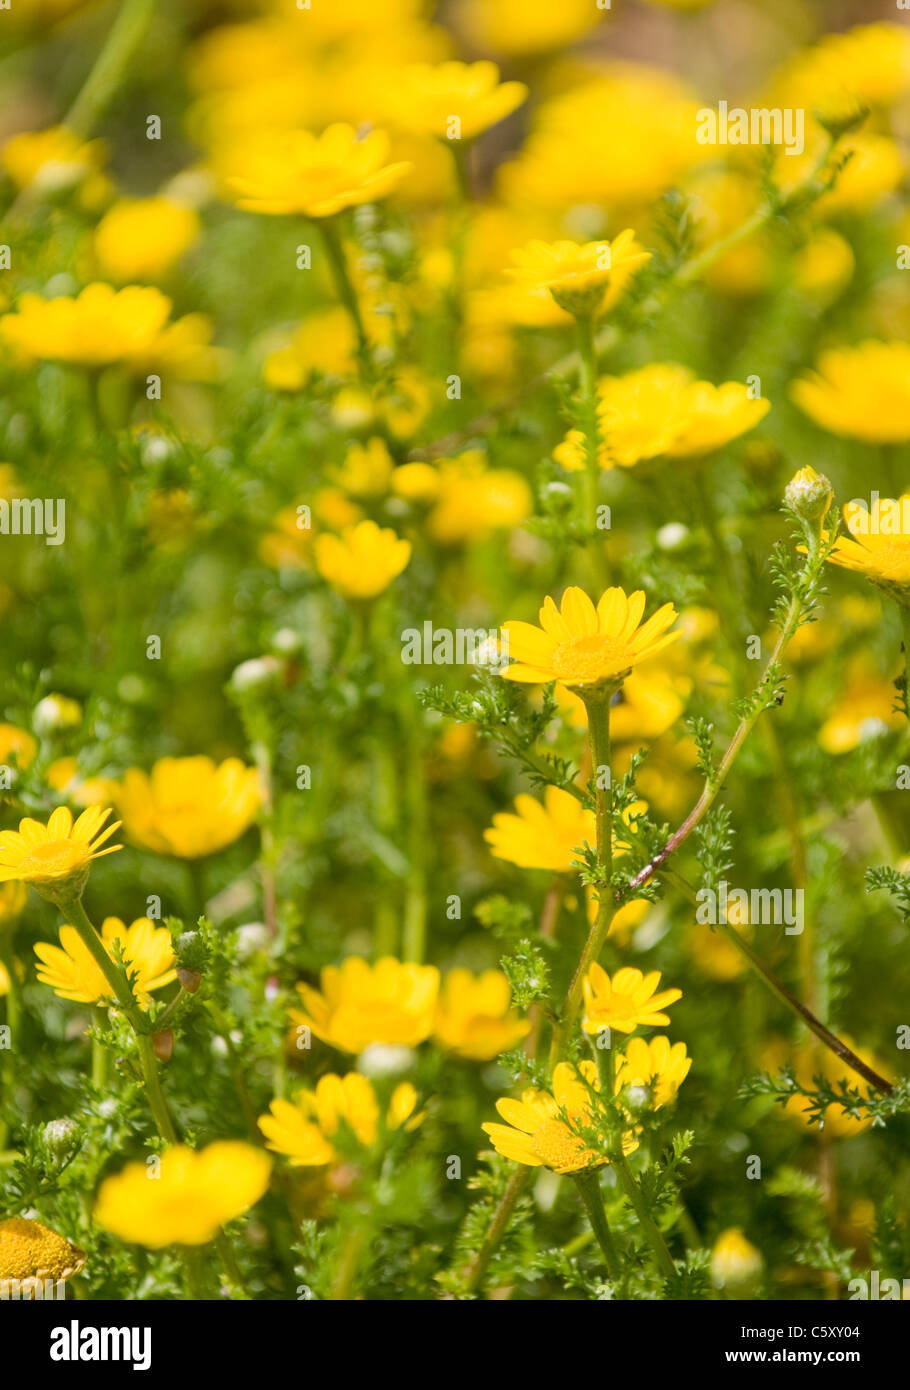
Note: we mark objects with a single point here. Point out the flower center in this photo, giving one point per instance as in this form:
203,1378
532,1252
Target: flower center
561,1148
586,660
56,858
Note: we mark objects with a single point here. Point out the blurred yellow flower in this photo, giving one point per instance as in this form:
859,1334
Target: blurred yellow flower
525,26
367,469
303,1129
361,562
474,1017
868,65
734,1260
13,898
824,265
56,855
51,159
655,1066
629,1001
542,1130
469,500
188,807
31,1253
548,836
865,708
861,392
325,342
576,276
294,171
583,646
16,744
810,1061
452,100
193,1195
72,972
142,238
714,416
360,1004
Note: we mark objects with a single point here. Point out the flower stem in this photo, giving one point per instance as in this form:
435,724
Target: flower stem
478,1266
345,289
588,1185
645,1220
124,41
153,1089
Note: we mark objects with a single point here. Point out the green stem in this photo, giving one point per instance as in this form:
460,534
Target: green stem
124,41
588,1184
72,911
478,1266
344,288
587,351
649,1228
153,1089
99,1052
13,1018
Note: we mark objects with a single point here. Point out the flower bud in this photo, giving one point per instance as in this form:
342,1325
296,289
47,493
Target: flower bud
734,1260
190,980
260,671
163,1044
60,1137
809,494
55,713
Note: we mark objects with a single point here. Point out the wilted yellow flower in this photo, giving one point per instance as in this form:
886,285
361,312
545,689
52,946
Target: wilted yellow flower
577,276
654,1065
474,1017
452,100
141,238
72,972
861,392
192,1197
294,171
526,26
548,836
583,646
536,1133
31,1253
51,159
303,1129
734,1260
629,1001
363,560
360,1004
188,806
57,855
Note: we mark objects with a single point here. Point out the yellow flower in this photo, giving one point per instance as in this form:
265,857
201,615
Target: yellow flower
18,744
537,1134
860,392
426,98
548,836
863,710
868,65
325,342
304,1129
655,1065
474,1018
31,1254
715,415
101,326
363,560
141,238
72,973
294,171
583,646
57,855
189,806
734,1260
879,547
628,1001
367,469
810,1061
53,158
192,1197
469,500
577,276
526,26
360,1004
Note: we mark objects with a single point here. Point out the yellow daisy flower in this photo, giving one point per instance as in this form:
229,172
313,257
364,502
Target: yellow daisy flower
541,1129
361,562
714,415
304,1129
547,836
628,1001
474,1017
18,744
526,26
577,276
142,238
72,972
188,807
864,709
53,158
879,547
294,171
860,392
583,646
56,855
425,97
389,1002
192,1197
31,1254
656,1065
98,327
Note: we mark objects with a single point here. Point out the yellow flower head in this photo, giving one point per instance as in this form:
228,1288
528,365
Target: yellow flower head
474,1017
192,1197
860,392
809,1062
868,65
31,1253
577,276
548,836
654,1065
879,547
526,26
470,501
55,856
863,710
363,560
189,806
360,1004
141,238
629,1001
429,99
294,171
304,1129
16,743
714,416
541,1129
72,972
583,646
51,159
734,1260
